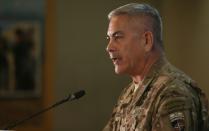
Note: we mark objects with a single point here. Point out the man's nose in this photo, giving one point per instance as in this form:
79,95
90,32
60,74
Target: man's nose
110,47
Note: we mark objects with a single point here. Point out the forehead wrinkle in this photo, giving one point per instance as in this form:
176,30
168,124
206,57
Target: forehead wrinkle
115,25
139,23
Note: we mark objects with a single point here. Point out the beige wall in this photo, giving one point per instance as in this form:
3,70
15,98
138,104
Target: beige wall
82,63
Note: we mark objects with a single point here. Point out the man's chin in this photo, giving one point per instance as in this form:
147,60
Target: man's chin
119,71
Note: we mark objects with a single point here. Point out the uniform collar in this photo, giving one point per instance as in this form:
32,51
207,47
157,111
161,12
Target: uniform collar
155,70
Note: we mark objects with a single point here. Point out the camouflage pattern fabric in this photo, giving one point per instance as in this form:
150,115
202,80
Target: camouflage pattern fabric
167,100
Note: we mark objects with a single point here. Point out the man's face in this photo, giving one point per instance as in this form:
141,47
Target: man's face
126,45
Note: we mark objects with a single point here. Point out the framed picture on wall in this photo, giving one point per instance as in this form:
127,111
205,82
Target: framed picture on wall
21,46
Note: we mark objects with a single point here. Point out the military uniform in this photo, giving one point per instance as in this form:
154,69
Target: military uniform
167,100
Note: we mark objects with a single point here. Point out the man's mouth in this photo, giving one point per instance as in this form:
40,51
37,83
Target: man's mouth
116,60
115,57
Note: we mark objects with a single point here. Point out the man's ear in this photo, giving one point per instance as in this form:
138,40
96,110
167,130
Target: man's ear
148,35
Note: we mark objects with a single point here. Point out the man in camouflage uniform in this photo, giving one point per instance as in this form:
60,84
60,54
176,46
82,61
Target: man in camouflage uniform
161,97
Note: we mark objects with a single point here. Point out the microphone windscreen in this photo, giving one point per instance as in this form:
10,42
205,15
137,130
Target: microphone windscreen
79,94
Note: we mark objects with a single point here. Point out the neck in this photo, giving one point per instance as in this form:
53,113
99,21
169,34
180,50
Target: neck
151,59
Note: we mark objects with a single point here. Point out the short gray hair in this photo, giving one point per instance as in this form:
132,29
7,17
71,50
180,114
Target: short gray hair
135,9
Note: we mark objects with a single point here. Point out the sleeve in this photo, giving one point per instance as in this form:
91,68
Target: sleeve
176,112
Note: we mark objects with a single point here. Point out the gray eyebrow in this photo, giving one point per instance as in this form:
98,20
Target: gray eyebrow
115,33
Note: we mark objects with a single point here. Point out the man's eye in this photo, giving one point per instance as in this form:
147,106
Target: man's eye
118,37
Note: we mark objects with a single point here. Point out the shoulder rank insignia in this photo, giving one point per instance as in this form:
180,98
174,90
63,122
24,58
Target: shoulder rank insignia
177,121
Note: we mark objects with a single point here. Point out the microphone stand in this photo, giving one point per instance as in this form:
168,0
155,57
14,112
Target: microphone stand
72,97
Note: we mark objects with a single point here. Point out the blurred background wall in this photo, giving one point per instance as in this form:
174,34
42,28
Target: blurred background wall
75,56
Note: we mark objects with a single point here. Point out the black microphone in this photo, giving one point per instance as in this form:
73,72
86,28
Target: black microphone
71,97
